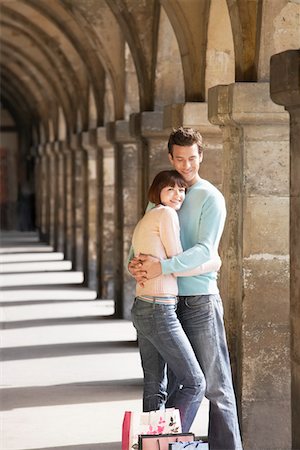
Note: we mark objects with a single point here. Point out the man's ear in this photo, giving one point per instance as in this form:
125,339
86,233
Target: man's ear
201,157
171,159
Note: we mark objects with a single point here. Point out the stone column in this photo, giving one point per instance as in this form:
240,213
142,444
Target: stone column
94,206
152,140
69,209
153,155
60,202
255,270
38,187
106,222
195,115
80,204
126,212
285,90
52,192
45,194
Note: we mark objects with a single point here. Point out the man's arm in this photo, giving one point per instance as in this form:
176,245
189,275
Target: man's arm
209,233
207,238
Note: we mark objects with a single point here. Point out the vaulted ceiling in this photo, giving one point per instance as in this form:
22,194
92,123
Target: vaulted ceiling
61,58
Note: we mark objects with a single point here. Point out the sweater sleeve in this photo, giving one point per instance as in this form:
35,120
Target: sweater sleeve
170,232
213,265
208,235
130,255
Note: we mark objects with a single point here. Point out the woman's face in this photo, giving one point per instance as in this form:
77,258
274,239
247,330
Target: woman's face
172,196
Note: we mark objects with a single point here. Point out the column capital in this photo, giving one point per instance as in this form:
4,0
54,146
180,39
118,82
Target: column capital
191,114
57,147
41,150
285,78
101,137
49,148
148,124
75,140
119,132
240,104
89,140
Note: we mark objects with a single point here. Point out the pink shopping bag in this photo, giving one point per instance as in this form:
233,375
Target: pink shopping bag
163,441
148,423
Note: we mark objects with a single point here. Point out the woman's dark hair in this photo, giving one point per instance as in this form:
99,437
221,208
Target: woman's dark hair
185,137
163,179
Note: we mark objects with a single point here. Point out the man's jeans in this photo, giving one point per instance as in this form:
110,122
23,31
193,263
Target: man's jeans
202,320
162,340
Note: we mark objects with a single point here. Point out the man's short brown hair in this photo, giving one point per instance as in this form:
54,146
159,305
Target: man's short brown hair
185,137
163,179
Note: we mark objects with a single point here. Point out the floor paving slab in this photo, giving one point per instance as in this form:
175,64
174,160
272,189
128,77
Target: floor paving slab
69,370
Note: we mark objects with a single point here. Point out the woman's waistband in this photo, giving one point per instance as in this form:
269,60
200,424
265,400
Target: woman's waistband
161,300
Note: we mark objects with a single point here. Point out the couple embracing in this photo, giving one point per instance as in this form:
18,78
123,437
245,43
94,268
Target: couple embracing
177,311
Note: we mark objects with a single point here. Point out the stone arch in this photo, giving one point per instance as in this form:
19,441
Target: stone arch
103,37
93,122
246,17
192,40
220,50
54,58
132,100
142,41
25,91
169,82
62,125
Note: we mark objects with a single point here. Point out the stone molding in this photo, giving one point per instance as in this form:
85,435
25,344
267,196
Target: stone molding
148,124
285,78
191,114
119,132
243,103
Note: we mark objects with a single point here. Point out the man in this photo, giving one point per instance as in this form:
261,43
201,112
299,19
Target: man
200,308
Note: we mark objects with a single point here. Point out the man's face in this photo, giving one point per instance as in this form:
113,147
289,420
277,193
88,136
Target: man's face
186,160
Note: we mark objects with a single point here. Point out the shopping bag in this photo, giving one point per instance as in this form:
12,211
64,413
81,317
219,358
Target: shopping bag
148,423
198,445
163,441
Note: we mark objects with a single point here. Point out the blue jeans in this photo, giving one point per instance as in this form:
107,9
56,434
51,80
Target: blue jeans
162,341
202,320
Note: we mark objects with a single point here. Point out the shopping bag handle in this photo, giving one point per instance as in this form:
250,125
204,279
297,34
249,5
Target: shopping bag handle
158,443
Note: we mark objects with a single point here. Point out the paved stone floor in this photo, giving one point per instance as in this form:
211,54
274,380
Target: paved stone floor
68,370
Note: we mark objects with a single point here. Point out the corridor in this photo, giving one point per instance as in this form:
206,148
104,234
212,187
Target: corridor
69,371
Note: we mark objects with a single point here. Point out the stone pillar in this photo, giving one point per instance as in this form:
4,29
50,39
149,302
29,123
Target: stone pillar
45,195
126,213
94,206
60,199
255,270
285,90
152,139
52,192
80,204
69,208
106,222
195,115
148,127
38,187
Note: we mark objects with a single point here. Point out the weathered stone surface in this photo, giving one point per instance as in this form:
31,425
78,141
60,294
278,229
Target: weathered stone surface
260,434
266,230
68,67
256,247
266,291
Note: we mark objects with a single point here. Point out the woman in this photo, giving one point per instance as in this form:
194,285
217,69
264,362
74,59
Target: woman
161,338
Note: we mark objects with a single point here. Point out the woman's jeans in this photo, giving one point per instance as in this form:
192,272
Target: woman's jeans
162,341
202,320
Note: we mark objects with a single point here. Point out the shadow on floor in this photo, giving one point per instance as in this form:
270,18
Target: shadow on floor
71,393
